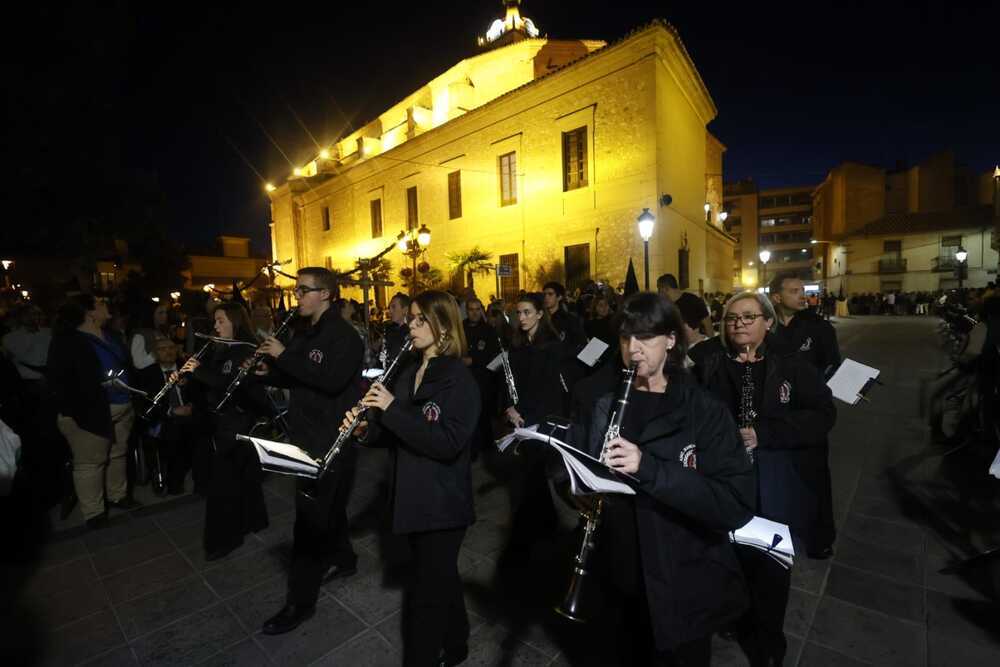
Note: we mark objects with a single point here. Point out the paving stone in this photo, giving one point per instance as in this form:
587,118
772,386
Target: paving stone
246,652
147,577
117,657
793,649
947,651
367,593
191,639
485,538
331,627
967,584
243,572
814,655
256,605
195,553
887,509
877,593
492,644
186,535
277,504
870,530
183,514
82,640
809,574
368,649
724,654
392,628
69,604
883,559
124,556
58,552
799,613
119,532
972,620
149,612
58,578
868,635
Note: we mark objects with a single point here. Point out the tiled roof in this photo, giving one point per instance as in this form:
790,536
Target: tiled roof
922,223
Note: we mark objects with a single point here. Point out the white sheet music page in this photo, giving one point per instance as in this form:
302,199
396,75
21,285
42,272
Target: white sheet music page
847,383
592,351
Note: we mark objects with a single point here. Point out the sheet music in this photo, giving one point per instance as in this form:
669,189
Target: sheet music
592,351
850,379
496,362
768,536
587,474
995,466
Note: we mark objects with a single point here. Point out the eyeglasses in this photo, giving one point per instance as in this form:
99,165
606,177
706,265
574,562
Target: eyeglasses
746,319
302,290
419,317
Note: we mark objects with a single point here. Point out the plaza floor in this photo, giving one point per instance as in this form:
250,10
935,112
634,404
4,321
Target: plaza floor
141,592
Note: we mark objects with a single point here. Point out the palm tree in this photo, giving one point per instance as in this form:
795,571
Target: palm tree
471,262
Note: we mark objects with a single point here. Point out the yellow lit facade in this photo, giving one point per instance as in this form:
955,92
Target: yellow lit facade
542,152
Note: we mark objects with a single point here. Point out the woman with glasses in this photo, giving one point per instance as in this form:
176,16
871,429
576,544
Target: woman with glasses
784,412
235,500
429,418
668,570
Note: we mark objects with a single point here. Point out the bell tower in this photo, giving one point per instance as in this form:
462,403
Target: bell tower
511,28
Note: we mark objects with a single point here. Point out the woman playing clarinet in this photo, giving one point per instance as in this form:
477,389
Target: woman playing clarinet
669,568
429,419
235,500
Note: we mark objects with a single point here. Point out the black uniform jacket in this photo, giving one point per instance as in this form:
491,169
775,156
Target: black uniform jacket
538,377
794,418
812,337
695,485
242,409
151,379
322,367
430,433
75,375
484,343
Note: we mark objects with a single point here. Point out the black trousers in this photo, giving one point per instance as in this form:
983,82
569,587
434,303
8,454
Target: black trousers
321,534
635,644
435,618
761,629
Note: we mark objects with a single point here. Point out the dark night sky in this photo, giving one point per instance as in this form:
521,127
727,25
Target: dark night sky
188,96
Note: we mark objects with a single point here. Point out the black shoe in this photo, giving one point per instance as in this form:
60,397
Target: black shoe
453,656
339,572
820,554
97,522
125,503
290,617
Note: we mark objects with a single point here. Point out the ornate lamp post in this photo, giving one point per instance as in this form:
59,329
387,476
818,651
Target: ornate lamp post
765,257
961,255
646,222
413,243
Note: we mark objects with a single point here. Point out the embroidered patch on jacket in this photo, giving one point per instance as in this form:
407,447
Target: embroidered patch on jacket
481,345
431,411
227,367
689,456
316,356
807,345
785,391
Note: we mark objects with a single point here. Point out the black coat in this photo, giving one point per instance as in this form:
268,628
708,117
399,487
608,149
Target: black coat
75,375
151,379
322,367
484,344
812,337
695,485
430,432
538,377
393,339
794,418
241,410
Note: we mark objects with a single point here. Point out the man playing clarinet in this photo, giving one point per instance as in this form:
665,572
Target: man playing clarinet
322,368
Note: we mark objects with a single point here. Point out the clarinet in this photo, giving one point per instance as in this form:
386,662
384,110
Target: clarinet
258,356
169,384
508,374
572,605
346,433
747,413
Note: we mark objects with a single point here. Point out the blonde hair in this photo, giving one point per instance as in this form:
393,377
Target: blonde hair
442,314
766,307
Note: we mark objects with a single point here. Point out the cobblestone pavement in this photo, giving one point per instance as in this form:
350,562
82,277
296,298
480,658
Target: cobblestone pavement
140,590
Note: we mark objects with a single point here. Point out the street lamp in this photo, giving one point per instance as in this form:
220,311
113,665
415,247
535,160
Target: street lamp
708,212
961,255
413,243
646,222
765,257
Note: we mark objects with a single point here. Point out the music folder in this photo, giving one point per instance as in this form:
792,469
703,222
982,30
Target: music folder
283,458
852,381
769,537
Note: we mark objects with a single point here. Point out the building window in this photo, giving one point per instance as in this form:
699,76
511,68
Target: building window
895,247
509,277
767,222
951,241
376,211
683,267
454,195
508,179
574,145
411,208
576,259
326,218
328,262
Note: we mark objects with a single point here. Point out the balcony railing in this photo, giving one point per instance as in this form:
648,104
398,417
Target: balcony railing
944,263
892,265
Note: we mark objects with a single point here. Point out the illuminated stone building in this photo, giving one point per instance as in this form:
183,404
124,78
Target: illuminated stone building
778,220
899,230
542,152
